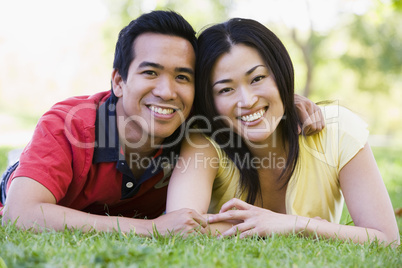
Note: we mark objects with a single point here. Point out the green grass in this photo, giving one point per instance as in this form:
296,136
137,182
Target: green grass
76,249
72,248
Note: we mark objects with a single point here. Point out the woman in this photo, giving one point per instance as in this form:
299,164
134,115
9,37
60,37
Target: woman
247,162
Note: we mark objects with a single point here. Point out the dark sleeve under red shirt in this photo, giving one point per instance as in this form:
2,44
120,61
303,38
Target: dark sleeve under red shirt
68,155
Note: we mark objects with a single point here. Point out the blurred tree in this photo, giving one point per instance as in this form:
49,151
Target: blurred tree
203,13
357,59
123,11
375,48
309,47
397,4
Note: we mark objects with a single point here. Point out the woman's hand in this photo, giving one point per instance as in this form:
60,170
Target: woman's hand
253,220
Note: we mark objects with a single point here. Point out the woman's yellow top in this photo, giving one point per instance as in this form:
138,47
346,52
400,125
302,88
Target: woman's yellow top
313,190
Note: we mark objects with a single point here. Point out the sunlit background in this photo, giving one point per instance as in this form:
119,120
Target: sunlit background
349,51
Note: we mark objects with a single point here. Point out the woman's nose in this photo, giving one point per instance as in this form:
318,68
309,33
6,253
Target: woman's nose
247,99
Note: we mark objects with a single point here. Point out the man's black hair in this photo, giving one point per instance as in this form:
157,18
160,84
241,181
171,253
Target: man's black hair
163,22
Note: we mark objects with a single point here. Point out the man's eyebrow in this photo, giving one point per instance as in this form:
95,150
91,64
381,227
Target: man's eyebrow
145,64
184,70
150,64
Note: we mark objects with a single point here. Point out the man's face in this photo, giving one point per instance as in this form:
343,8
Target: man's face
159,91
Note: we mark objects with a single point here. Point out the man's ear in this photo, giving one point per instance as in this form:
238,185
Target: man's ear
117,83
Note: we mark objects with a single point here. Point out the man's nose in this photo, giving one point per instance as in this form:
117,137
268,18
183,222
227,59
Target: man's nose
165,89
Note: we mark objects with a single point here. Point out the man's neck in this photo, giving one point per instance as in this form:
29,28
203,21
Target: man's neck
133,138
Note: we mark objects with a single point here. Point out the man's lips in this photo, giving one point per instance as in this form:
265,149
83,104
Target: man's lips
162,110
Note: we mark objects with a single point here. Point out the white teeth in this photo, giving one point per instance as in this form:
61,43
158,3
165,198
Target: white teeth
253,117
161,110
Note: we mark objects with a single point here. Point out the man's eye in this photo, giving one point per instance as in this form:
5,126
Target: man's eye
183,77
149,72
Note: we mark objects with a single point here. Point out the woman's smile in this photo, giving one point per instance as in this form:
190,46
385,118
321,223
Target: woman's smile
246,94
252,117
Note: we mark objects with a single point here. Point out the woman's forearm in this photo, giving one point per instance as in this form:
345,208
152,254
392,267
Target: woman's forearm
356,234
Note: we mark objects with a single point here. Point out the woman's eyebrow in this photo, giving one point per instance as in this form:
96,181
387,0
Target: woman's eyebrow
222,81
230,80
253,69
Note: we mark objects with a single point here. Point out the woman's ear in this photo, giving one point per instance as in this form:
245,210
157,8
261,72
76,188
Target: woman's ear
117,83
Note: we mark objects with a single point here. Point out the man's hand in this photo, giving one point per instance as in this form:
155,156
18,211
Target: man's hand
310,115
182,221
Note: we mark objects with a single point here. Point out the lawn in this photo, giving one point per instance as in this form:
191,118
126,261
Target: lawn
72,248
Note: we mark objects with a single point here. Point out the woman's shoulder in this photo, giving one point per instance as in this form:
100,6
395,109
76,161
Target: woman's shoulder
335,113
196,138
197,142
342,122
345,133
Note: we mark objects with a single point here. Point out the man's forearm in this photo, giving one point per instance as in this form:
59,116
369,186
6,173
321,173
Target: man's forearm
52,216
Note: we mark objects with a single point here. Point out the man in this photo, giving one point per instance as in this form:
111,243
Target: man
82,161
98,162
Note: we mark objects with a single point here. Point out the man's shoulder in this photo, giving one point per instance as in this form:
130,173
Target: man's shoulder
80,103
81,108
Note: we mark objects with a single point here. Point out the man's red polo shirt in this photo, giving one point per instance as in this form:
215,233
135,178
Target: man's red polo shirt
75,153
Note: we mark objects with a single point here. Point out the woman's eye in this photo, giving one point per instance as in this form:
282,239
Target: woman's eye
224,90
258,78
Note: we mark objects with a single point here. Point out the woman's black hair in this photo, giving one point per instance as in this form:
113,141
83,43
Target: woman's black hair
218,40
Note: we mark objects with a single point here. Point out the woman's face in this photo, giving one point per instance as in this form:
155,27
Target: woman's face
245,94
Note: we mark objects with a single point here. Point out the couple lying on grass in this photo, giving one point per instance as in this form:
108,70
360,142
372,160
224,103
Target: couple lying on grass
237,166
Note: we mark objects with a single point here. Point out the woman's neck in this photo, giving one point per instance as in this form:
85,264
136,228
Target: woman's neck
274,146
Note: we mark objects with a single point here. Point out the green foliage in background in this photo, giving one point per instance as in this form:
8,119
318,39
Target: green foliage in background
124,11
358,61
397,4
373,40
3,158
375,49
